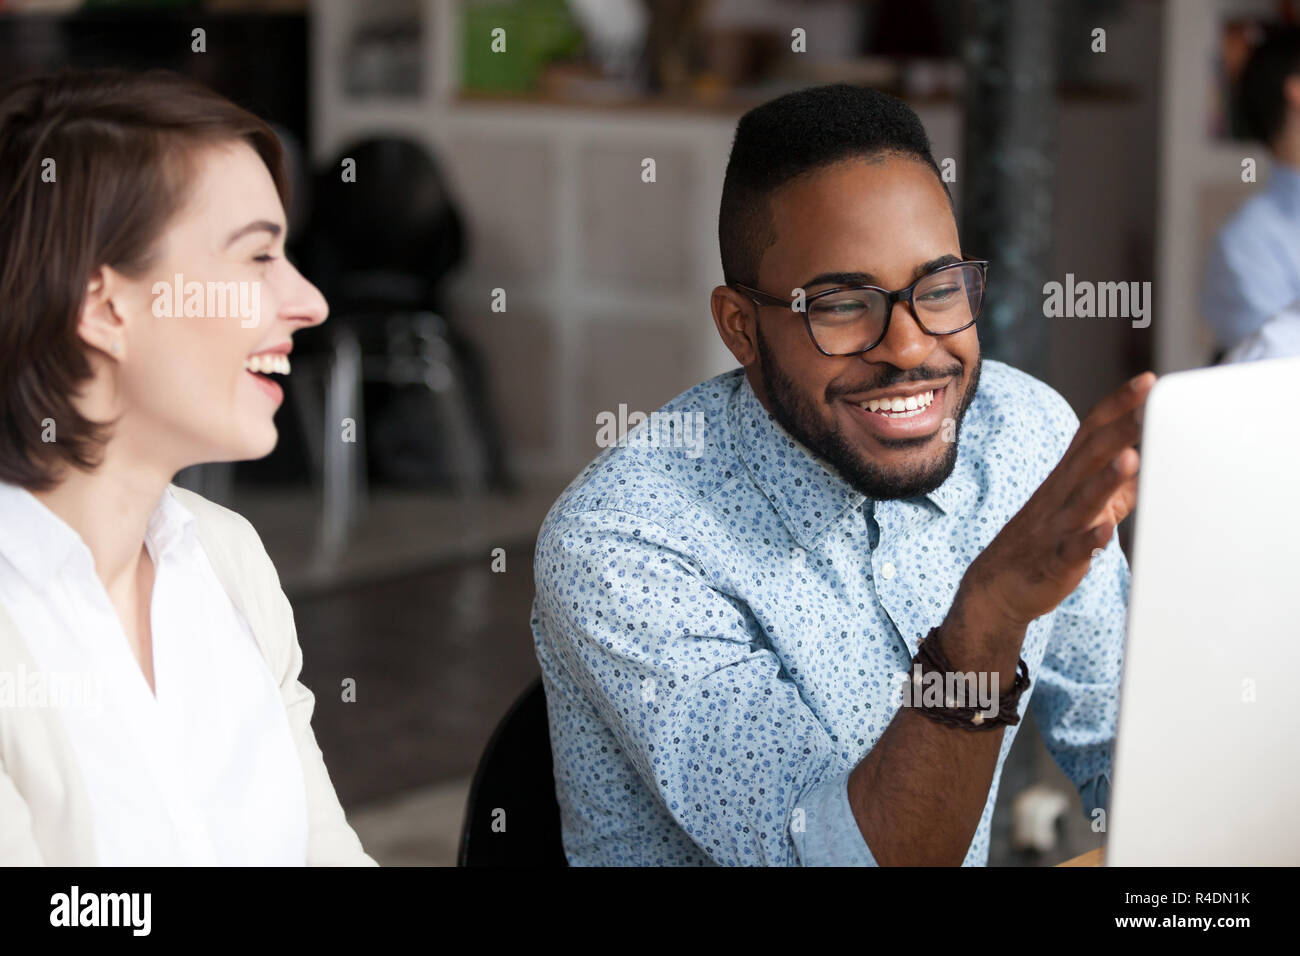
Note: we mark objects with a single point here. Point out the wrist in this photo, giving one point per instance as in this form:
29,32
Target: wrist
984,590
977,613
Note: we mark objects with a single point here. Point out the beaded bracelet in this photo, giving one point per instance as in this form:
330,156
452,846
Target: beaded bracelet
932,660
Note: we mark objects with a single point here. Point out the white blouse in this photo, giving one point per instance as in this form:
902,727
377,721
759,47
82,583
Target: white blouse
204,773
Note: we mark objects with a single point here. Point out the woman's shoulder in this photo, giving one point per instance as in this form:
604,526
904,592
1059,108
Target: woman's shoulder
231,543
214,520
245,572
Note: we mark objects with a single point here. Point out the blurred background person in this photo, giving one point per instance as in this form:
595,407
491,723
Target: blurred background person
132,200
1253,272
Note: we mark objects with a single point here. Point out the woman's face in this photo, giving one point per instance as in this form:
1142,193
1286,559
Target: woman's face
205,331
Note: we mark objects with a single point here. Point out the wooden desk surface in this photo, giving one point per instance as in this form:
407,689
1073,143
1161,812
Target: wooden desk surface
1091,858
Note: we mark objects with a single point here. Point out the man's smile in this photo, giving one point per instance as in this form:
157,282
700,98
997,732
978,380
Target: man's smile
902,412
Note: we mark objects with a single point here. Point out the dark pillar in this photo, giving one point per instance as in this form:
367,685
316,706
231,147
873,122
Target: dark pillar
1008,171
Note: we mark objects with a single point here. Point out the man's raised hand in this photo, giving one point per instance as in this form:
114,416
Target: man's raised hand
1042,554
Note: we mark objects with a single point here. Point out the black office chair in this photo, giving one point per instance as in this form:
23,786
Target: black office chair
514,785
381,248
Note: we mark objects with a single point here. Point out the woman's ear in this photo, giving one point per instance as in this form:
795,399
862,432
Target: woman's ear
734,315
100,326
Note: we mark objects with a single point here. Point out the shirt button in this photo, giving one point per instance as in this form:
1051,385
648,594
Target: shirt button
887,570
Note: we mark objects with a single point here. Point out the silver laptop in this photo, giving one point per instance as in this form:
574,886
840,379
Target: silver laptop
1207,763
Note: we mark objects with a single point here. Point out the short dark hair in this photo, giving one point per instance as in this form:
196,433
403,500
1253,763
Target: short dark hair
797,134
1260,96
121,148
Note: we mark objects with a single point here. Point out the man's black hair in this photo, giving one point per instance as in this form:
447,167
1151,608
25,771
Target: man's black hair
1260,95
796,134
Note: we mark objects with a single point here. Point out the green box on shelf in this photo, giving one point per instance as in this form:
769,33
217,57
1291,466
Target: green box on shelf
537,32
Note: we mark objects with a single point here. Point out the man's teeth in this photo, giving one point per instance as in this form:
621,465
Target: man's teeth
907,405
268,362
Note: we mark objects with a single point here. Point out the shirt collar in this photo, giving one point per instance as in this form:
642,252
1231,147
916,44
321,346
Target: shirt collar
808,493
38,543
171,524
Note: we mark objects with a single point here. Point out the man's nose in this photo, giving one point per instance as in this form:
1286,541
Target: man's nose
906,344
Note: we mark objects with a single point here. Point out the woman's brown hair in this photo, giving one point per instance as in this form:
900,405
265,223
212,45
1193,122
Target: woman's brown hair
93,165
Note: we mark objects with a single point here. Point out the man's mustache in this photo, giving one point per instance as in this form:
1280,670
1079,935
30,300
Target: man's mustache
921,374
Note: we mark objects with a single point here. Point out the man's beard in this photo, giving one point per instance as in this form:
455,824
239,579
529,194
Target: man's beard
795,414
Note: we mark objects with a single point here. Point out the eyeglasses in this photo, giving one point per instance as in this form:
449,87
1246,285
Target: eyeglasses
855,319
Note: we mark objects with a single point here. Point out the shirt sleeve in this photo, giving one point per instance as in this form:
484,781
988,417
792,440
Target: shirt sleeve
1279,337
830,834
701,708
18,844
331,841
1245,283
1076,701
247,573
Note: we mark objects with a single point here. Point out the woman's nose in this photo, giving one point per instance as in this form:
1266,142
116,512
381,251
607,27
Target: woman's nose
303,302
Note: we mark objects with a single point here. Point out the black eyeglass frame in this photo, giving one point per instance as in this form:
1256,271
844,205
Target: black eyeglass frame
762,298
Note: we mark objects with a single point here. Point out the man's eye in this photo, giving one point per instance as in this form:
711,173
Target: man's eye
838,308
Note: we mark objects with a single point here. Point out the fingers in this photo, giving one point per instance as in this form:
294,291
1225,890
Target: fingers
1108,493
1084,463
1077,548
1125,399
1117,419
1101,449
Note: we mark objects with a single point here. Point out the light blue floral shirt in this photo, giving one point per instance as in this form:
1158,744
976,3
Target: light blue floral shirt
720,621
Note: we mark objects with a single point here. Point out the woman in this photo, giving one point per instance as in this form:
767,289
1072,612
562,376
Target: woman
153,712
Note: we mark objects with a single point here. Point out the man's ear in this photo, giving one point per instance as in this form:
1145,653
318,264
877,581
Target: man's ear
100,326
735,316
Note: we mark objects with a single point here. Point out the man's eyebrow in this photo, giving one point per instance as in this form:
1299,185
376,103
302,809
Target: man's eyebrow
257,225
866,278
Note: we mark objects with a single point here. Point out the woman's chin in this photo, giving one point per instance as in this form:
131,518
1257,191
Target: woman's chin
265,446
255,441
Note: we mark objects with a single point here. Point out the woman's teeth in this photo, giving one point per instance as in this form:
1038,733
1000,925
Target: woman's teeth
268,362
900,406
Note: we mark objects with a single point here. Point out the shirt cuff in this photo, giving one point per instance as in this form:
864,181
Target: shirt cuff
1095,795
829,834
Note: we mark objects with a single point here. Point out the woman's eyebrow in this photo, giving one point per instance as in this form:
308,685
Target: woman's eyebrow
866,278
258,225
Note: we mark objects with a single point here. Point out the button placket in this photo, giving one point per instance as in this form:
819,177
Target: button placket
891,590
882,566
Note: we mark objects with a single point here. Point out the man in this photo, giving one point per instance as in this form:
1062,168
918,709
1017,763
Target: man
1253,273
722,630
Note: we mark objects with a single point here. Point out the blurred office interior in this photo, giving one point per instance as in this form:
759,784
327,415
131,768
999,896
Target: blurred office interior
500,274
